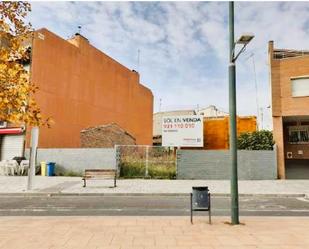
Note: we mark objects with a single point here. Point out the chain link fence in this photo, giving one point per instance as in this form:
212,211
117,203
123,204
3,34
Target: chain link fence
145,161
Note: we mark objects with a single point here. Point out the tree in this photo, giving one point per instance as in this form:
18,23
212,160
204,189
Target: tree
17,103
257,140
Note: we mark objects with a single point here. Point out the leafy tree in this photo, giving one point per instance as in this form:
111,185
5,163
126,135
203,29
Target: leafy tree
17,104
257,140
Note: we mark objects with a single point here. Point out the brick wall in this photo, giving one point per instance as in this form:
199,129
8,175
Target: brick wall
278,138
105,136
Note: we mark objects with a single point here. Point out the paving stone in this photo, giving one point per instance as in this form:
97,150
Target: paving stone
174,232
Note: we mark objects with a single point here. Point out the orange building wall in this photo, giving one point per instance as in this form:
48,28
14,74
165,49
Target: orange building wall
216,131
79,86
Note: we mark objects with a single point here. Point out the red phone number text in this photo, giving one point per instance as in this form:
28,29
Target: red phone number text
178,126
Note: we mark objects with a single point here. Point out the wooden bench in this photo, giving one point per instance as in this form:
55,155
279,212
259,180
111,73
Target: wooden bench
99,174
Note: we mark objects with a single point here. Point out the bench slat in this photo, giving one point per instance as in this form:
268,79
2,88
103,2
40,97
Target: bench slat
101,176
100,173
107,175
100,170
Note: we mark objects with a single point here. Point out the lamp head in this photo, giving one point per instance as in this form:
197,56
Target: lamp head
245,38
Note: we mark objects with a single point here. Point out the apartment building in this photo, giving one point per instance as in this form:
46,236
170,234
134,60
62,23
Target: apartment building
289,73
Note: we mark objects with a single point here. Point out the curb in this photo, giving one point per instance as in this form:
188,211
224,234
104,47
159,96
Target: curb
59,194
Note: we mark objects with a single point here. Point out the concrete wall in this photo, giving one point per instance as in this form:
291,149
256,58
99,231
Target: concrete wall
77,160
215,164
80,86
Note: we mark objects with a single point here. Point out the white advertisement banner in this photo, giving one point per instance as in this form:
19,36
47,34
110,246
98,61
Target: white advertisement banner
182,131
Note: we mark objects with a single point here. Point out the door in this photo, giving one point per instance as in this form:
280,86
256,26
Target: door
11,146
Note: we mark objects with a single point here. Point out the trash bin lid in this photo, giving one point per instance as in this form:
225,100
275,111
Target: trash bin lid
204,188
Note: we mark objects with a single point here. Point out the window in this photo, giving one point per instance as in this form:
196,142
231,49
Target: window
303,136
293,137
300,87
299,134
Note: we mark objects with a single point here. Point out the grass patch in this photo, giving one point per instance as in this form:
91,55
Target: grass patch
162,172
155,171
132,170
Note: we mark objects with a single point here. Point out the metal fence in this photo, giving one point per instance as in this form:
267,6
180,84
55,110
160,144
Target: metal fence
145,161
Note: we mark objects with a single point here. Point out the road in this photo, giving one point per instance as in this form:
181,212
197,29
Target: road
146,205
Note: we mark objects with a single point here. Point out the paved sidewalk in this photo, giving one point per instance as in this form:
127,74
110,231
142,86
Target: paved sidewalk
73,185
152,233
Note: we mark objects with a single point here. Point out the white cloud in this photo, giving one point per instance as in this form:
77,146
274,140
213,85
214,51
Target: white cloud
184,45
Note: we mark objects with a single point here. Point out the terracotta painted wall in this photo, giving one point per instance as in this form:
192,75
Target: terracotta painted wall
216,131
79,86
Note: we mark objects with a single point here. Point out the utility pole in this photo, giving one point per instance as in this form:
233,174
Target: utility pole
262,118
138,59
256,91
233,125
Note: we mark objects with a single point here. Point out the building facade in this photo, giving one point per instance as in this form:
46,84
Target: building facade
81,87
289,74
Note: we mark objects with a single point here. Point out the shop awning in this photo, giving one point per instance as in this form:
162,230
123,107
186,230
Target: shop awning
11,131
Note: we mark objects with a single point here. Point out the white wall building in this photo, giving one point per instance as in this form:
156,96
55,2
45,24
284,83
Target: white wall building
211,112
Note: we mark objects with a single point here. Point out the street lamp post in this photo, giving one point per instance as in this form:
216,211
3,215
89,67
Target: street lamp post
243,40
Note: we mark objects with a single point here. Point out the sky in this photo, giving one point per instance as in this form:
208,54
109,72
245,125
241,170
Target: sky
181,49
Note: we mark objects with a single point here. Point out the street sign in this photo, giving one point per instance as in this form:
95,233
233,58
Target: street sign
182,131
